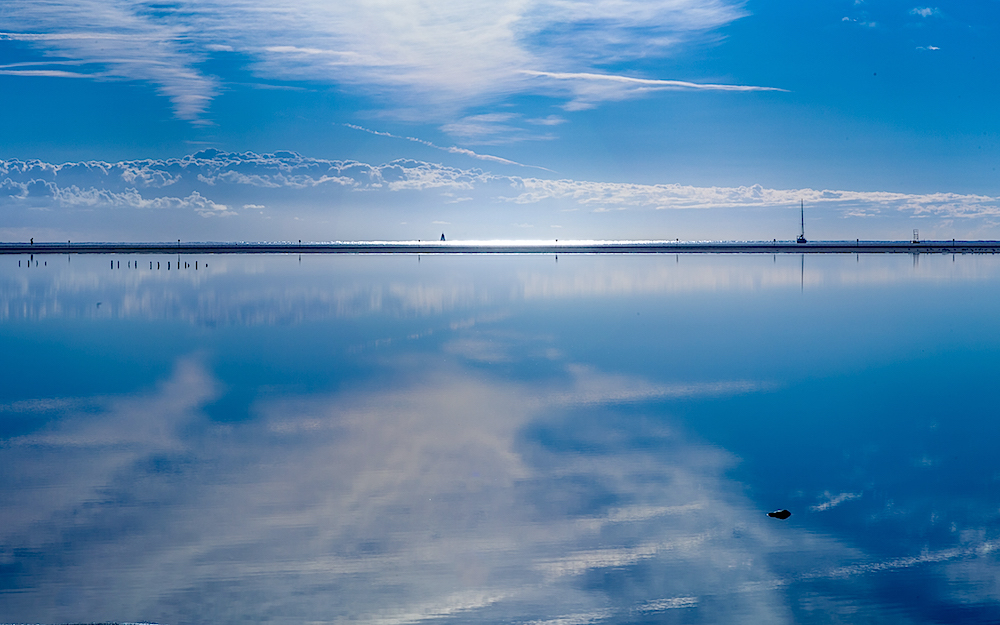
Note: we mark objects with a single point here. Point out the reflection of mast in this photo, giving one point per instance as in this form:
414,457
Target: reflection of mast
802,215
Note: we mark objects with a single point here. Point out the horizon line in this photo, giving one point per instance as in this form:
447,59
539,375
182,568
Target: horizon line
506,246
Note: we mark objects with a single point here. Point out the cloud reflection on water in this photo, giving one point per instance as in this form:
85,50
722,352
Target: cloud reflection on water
426,499
442,485
394,505
233,291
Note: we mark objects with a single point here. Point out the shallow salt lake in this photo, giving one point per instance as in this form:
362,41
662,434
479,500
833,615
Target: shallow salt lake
500,439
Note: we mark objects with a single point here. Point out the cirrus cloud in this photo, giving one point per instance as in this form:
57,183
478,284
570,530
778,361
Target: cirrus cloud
435,59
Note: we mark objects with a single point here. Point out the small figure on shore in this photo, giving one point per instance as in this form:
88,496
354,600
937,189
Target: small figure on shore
779,514
32,240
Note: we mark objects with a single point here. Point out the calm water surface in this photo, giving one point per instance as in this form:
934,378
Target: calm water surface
507,439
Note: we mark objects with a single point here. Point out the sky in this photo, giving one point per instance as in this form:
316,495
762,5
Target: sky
530,119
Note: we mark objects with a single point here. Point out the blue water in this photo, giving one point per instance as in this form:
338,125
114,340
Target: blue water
516,439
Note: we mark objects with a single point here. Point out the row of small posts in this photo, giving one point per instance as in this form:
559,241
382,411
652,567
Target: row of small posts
131,264
134,264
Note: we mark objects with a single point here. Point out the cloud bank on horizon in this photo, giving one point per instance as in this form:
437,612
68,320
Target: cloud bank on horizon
260,196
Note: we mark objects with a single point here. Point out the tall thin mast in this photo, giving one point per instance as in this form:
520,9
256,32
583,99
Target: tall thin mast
802,217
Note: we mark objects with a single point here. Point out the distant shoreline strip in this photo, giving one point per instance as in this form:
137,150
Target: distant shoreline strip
516,247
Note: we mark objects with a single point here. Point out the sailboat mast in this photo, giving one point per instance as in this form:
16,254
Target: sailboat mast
802,221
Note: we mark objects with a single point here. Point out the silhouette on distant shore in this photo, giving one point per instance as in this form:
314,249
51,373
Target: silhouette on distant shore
950,246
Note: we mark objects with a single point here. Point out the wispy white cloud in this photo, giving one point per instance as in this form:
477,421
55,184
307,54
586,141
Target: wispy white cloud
461,52
925,11
832,501
654,84
861,22
673,603
589,88
495,128
583,618
450,150
436,59
551,120
47,73
38,63
120,38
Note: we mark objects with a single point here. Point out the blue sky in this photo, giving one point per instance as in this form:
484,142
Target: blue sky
530,119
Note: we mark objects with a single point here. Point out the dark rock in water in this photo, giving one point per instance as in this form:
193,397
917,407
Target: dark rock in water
779,514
